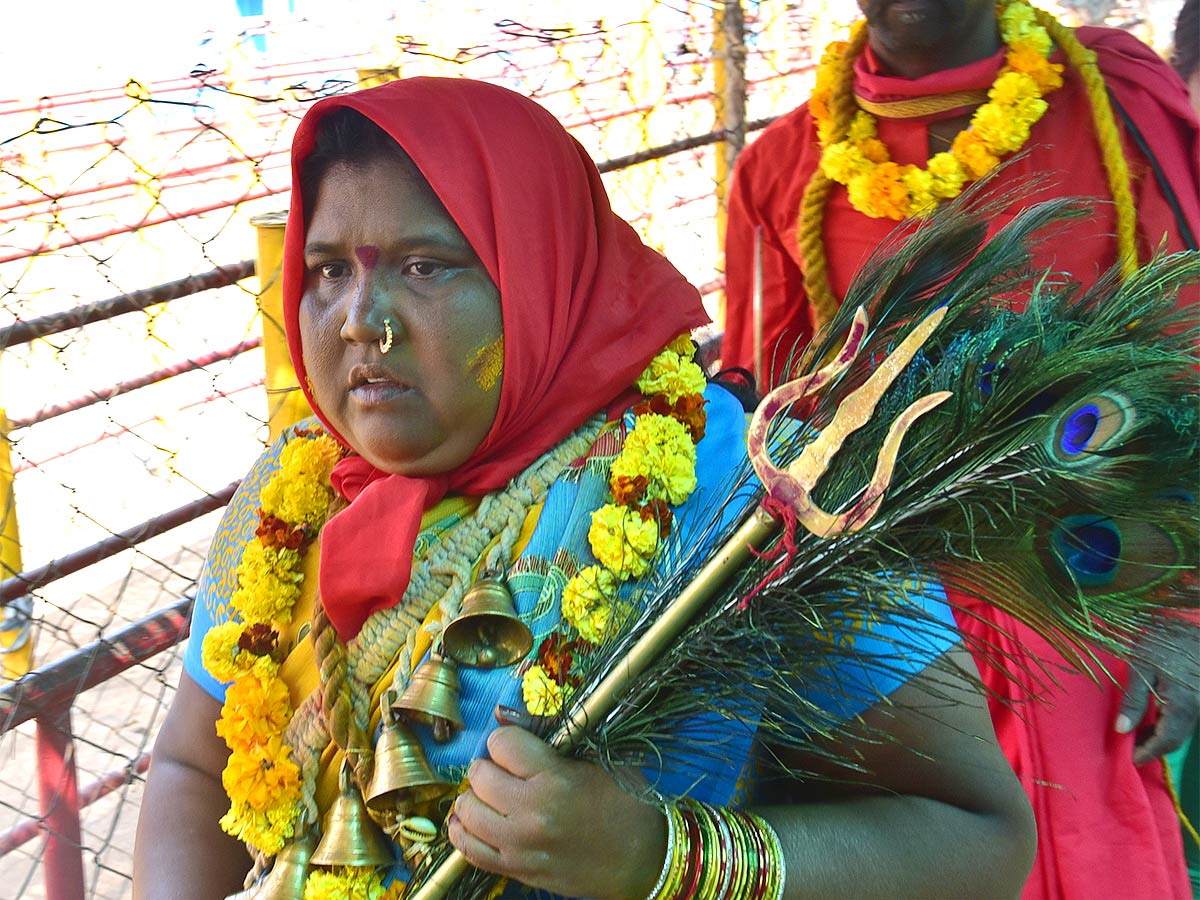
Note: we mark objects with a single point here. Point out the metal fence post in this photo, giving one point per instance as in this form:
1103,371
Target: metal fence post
58,793
16,626
729,90
285,402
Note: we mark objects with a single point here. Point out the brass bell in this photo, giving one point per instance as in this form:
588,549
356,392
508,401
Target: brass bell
487,633
349,836
432,697
286,879
403,777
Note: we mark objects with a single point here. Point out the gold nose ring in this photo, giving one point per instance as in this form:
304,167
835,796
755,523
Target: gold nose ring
385,342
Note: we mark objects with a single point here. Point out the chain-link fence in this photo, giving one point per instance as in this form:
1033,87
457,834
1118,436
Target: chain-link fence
132,349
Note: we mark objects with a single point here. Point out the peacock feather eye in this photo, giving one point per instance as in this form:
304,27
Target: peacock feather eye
1091,426
1089,547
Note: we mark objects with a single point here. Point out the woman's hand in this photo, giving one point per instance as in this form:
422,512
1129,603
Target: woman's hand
557,824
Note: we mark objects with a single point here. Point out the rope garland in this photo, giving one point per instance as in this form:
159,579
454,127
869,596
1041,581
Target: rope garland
339,711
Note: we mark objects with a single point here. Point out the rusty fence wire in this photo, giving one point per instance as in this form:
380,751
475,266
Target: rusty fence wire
135,386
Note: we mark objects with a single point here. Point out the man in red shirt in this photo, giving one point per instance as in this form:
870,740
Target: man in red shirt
903,96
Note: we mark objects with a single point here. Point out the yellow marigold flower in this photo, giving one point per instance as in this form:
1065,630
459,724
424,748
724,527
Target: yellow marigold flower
881,192
226,661
673,376
587,603
593,627
268,584
255,711
219,653
997,128
660,448
542,696
1018,23
1012,87
842,161
920,189
593,586
262,778
622,541
946,175
344,884
683,345
973,154
861,127
268,831
300,491
1028,111
818,109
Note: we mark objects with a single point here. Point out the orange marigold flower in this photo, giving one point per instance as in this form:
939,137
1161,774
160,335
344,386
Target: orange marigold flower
974,155
689,410
255,711
629,491
818,107
259,639
274,532
556,655
875,150
262,776
658,511
655,403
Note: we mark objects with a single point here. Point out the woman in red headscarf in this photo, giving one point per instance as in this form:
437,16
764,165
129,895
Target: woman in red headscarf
506,398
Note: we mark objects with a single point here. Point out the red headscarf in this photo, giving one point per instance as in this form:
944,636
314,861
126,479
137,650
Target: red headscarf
586,305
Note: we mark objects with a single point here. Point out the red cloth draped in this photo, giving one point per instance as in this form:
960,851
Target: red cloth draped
586,304
1105,828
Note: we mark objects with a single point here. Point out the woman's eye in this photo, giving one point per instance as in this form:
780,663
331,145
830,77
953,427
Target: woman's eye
331,271
424,268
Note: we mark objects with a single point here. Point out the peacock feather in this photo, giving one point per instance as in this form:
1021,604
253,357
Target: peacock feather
997,429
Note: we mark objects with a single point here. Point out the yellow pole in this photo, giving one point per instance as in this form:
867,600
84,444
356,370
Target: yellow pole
729,95
285,402
16,623
636,50
780,40
371,77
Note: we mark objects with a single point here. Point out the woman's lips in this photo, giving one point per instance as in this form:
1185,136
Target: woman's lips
378,393
373,384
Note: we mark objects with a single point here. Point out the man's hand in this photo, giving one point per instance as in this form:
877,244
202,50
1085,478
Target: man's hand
1167,666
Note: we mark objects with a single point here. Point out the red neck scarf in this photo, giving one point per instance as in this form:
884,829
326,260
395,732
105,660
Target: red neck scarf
586,305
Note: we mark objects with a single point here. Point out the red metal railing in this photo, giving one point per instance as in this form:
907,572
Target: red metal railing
46,696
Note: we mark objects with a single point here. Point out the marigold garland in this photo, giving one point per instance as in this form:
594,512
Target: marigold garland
656,469
349,884
261,779
881,188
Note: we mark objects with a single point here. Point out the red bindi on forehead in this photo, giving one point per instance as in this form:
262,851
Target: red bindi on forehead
368,255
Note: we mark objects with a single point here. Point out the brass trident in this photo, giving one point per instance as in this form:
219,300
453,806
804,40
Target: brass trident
794,485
